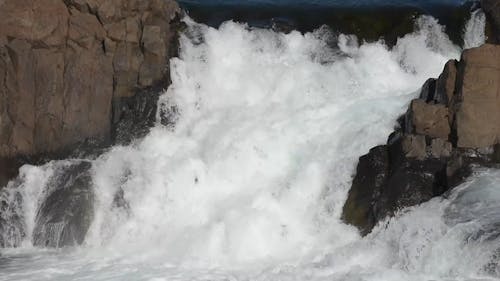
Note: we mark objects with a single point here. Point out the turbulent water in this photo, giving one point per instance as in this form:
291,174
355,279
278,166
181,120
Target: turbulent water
250,182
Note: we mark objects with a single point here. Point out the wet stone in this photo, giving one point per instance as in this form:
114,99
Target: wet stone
65,216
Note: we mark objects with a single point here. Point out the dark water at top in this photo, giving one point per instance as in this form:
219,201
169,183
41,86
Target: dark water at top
370,20
337,3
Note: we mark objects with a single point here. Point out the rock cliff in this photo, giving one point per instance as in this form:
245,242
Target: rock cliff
454,124
68,69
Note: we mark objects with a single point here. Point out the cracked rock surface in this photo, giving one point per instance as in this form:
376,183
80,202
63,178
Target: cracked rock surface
63,63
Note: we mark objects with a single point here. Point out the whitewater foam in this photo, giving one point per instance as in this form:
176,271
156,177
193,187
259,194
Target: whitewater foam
250,181
474,35
267,121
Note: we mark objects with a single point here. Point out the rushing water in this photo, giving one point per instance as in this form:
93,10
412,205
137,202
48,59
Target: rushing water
250,182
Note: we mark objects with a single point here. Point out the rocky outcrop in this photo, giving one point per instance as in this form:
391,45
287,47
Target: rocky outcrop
492,10
454,124
67,66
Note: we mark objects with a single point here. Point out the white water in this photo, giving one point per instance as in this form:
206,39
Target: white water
474,35
250,183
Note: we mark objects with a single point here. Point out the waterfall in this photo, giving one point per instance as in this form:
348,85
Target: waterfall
249,182
474,30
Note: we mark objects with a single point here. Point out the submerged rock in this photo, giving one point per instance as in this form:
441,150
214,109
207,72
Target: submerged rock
387,180
372,173
64,217
454,125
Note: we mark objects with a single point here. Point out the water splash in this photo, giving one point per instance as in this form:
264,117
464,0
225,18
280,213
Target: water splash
474,35
250,182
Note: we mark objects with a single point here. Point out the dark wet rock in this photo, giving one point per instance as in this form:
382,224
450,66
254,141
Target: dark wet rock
134,116
373,171
428,90
9,168
65,215
445,84
492,10
452,127
387,181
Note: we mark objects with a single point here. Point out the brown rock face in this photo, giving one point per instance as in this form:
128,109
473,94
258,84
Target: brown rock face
429,119
62,63
478,107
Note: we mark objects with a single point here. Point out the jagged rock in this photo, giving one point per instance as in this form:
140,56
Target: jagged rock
65,216
478,114
445,84
428,119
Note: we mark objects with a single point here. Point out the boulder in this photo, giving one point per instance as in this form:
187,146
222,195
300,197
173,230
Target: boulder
387,180
428,119
370,180
478,101
65,215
